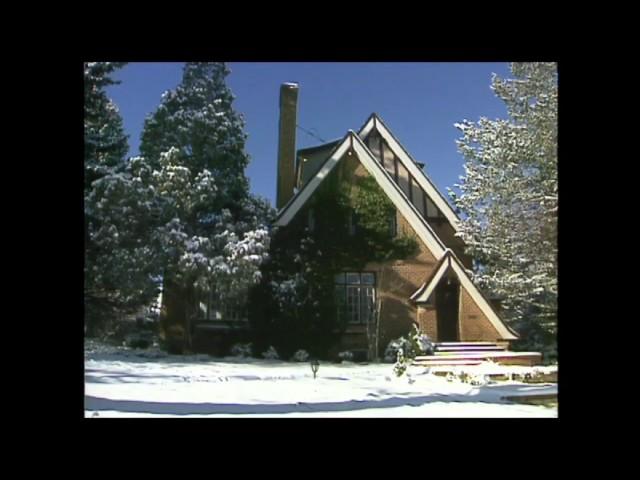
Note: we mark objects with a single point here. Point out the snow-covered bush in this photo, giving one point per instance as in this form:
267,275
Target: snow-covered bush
139,340
401,364
422,342
241,350
412,345
300,356
395,346
346,356
271,354
475,379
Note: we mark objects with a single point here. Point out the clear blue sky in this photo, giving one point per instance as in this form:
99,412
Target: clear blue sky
419,102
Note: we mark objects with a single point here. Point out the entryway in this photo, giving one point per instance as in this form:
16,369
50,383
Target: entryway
447,306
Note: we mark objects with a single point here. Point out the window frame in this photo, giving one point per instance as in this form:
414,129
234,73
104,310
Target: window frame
354,292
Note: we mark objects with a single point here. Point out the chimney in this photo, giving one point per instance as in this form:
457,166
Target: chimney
287,143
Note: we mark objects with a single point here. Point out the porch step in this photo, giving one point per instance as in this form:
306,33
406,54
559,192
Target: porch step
435,362
504,358
464,344
450,350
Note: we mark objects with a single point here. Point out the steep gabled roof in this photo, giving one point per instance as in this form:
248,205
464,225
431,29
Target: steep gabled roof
352,142
375,122
449,262
306,171
446,258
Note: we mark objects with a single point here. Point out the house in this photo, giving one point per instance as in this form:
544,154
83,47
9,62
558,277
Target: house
383,298
391,257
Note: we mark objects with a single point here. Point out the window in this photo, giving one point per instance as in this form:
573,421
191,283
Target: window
393,225
311,220
355,296
373,142
212,307
352,226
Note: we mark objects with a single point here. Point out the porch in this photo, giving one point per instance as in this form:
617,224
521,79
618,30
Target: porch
474,353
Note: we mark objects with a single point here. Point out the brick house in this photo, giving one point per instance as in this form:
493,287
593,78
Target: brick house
430,288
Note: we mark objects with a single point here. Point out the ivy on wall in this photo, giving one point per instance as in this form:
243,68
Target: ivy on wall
350,217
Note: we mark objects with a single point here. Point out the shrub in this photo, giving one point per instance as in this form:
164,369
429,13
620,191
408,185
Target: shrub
394,347
346,356
401,364
138,340
270,354
422,343
300,356
411,345
242,350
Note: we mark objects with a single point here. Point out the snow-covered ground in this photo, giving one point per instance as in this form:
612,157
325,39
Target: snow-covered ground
124,383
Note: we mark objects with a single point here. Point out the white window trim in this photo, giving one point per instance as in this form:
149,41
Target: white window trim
408,162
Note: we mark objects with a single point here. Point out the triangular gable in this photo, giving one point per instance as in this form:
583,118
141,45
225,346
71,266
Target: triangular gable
426,289
450,262
393,191
375,122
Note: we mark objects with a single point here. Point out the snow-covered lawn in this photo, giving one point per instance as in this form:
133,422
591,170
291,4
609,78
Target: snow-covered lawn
125,383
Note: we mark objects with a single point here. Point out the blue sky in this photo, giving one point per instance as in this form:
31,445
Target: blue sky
419,102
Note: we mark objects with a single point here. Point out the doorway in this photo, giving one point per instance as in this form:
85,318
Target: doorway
447,306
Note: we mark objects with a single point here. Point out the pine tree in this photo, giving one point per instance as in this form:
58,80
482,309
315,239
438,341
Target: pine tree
211,232
112,269
198,119
124,268
509,199
105,144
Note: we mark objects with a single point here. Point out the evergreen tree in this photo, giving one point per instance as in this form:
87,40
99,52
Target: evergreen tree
122,274
112,279
509,200
105,144
211,233
198,119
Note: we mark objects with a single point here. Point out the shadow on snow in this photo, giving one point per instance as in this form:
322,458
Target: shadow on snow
168,408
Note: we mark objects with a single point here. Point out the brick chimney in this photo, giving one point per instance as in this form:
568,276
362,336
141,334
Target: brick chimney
287,143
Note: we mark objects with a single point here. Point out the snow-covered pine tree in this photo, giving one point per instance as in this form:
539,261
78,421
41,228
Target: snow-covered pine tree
105,143
125,265
198,119
212,233
508,198
116,261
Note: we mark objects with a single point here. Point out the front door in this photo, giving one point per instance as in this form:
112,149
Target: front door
447,302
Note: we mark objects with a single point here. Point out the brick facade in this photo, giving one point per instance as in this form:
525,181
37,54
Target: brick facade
397,280
474,325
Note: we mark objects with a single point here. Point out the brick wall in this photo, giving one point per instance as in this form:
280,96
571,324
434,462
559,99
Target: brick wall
428,321
474,325
396,282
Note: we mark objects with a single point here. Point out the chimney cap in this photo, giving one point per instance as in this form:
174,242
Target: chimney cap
290,84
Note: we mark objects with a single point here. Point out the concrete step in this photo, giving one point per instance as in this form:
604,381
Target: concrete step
446,362
448,350
504,358
465,344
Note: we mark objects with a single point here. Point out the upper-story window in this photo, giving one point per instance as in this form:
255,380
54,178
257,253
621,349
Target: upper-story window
374,142
393,224
311,220
352,222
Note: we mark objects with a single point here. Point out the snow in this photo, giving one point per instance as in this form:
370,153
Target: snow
120,382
